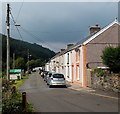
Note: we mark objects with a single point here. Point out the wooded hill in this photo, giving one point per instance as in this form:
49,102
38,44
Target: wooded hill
20,48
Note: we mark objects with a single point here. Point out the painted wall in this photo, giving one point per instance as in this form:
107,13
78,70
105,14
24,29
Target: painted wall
96,46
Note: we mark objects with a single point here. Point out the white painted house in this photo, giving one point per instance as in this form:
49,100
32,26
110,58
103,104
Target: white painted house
77,60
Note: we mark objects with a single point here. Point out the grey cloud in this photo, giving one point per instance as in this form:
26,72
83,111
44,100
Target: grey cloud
62,22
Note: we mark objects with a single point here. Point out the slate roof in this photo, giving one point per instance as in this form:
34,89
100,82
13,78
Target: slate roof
81,41
84,40
75,45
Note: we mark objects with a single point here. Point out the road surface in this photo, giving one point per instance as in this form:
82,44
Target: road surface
45,99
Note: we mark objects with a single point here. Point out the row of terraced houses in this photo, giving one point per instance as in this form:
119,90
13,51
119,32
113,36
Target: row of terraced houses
79,59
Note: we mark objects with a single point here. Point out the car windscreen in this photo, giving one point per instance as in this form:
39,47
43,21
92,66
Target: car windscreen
58,76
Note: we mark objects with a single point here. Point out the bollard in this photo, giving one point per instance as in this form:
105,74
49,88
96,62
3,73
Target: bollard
13,89
24,100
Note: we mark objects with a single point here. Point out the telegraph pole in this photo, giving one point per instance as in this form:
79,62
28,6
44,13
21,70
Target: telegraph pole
28,60
8,38
13,60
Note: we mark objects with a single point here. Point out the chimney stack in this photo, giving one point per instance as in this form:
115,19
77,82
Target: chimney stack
69,45
94,29
62,50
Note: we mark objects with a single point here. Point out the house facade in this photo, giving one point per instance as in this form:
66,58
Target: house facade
77,60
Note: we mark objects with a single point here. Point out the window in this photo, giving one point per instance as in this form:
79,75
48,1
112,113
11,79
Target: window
68,59
58,76
77,56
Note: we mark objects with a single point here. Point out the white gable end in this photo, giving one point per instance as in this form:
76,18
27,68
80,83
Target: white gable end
101,31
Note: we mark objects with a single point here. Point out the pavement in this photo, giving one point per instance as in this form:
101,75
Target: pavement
101,93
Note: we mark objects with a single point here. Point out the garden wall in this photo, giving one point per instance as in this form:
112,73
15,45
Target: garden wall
109,82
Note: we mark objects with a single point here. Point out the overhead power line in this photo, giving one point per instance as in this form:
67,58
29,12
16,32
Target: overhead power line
15,25
36,37
30,34
19,10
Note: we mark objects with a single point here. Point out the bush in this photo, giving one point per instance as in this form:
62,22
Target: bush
12,104
12,101
111,58
4,74
99,72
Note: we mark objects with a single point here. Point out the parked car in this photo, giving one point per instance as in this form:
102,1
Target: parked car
42,74
28,72
45,73
33,70
55,79
46,76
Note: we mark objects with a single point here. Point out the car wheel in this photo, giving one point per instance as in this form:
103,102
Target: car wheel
65,86
50,86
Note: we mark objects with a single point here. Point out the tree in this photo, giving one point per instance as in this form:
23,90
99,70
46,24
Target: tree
111,58
39,62
20,63
35,63
31,64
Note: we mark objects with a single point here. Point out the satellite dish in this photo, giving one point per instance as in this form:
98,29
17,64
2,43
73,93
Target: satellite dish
76,49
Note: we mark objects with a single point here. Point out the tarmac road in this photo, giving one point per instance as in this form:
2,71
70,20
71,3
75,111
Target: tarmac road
45,99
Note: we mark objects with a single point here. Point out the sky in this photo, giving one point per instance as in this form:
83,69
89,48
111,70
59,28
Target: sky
56,24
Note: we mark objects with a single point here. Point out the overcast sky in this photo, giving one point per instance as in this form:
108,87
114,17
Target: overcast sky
54,25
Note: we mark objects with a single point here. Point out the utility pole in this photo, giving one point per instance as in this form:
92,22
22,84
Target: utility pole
13,60
8,42
28,60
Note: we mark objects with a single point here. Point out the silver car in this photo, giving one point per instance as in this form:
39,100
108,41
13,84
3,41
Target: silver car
56,79
46,76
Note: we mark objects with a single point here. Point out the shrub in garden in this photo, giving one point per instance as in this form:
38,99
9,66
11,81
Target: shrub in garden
12,100
99,72
111,58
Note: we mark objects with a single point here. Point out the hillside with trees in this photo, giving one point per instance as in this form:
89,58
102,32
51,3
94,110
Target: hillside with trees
20,48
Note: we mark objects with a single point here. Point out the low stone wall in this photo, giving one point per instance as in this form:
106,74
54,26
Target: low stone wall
110,82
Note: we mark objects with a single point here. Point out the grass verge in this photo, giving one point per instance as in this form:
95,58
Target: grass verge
19,83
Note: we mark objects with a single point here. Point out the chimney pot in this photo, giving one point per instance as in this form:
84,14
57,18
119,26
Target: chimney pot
62,50
97,25
94,29
69,45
